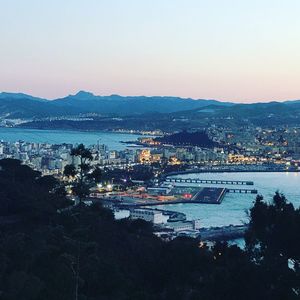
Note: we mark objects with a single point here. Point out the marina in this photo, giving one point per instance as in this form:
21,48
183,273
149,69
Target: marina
204,195
234,206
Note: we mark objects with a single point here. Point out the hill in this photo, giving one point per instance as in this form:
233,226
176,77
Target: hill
272,113
25,106
184,138
140,112
48,252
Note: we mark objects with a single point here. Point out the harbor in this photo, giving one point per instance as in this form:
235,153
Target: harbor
215,205
155,204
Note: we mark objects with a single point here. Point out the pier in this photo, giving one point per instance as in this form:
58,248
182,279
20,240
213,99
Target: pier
209,195
209,181
241,191
205,195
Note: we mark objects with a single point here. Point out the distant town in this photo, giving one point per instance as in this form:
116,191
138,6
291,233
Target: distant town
248,149
135,181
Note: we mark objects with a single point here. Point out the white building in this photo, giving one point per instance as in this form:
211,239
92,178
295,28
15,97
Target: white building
156,217
159,190
185,225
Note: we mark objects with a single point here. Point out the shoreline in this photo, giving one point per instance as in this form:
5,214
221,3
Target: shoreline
75,130
228,171
224,233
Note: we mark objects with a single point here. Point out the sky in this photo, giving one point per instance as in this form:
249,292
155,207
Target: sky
230,50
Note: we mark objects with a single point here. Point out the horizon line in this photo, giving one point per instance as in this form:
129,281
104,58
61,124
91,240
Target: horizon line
150,96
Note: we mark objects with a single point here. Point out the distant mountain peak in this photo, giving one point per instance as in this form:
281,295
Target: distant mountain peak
83,95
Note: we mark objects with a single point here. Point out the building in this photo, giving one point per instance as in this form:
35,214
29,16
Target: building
149,215
159,190
145,156
184,225
113,155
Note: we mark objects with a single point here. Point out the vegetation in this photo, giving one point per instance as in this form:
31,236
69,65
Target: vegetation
82,175
124,260
185,138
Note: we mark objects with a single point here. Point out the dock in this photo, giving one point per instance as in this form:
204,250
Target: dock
241,191
209,181
205,195
209,195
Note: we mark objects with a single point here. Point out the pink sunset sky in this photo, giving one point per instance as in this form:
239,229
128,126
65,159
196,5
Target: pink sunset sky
243,51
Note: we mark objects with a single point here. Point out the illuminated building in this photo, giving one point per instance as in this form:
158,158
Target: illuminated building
156,157
174,160
145,156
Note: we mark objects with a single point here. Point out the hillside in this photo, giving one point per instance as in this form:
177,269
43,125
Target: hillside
185,138
49,254
25,106
139,112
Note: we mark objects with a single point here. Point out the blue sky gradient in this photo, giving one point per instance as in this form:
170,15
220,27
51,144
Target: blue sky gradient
233,50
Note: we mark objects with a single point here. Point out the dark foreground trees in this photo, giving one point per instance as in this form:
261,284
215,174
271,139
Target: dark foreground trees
273,244
123,259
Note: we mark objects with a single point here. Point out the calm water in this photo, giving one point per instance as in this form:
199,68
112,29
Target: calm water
113,140
234,206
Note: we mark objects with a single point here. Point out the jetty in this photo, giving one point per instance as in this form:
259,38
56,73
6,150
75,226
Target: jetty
208,181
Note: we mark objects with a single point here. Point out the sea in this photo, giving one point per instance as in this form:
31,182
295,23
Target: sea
111,139
234,209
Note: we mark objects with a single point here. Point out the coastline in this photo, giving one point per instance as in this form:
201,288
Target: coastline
78,130
229,171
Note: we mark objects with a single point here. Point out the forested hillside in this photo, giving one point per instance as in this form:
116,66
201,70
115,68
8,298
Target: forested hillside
48,252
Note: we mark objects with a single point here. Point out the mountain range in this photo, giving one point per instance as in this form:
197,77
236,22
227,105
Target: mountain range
117,111
18,105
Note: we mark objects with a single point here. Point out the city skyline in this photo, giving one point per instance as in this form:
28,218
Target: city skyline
238,51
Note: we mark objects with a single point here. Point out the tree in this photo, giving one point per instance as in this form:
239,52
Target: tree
84,253
82,175
273,228
272,242
26,194
15,170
